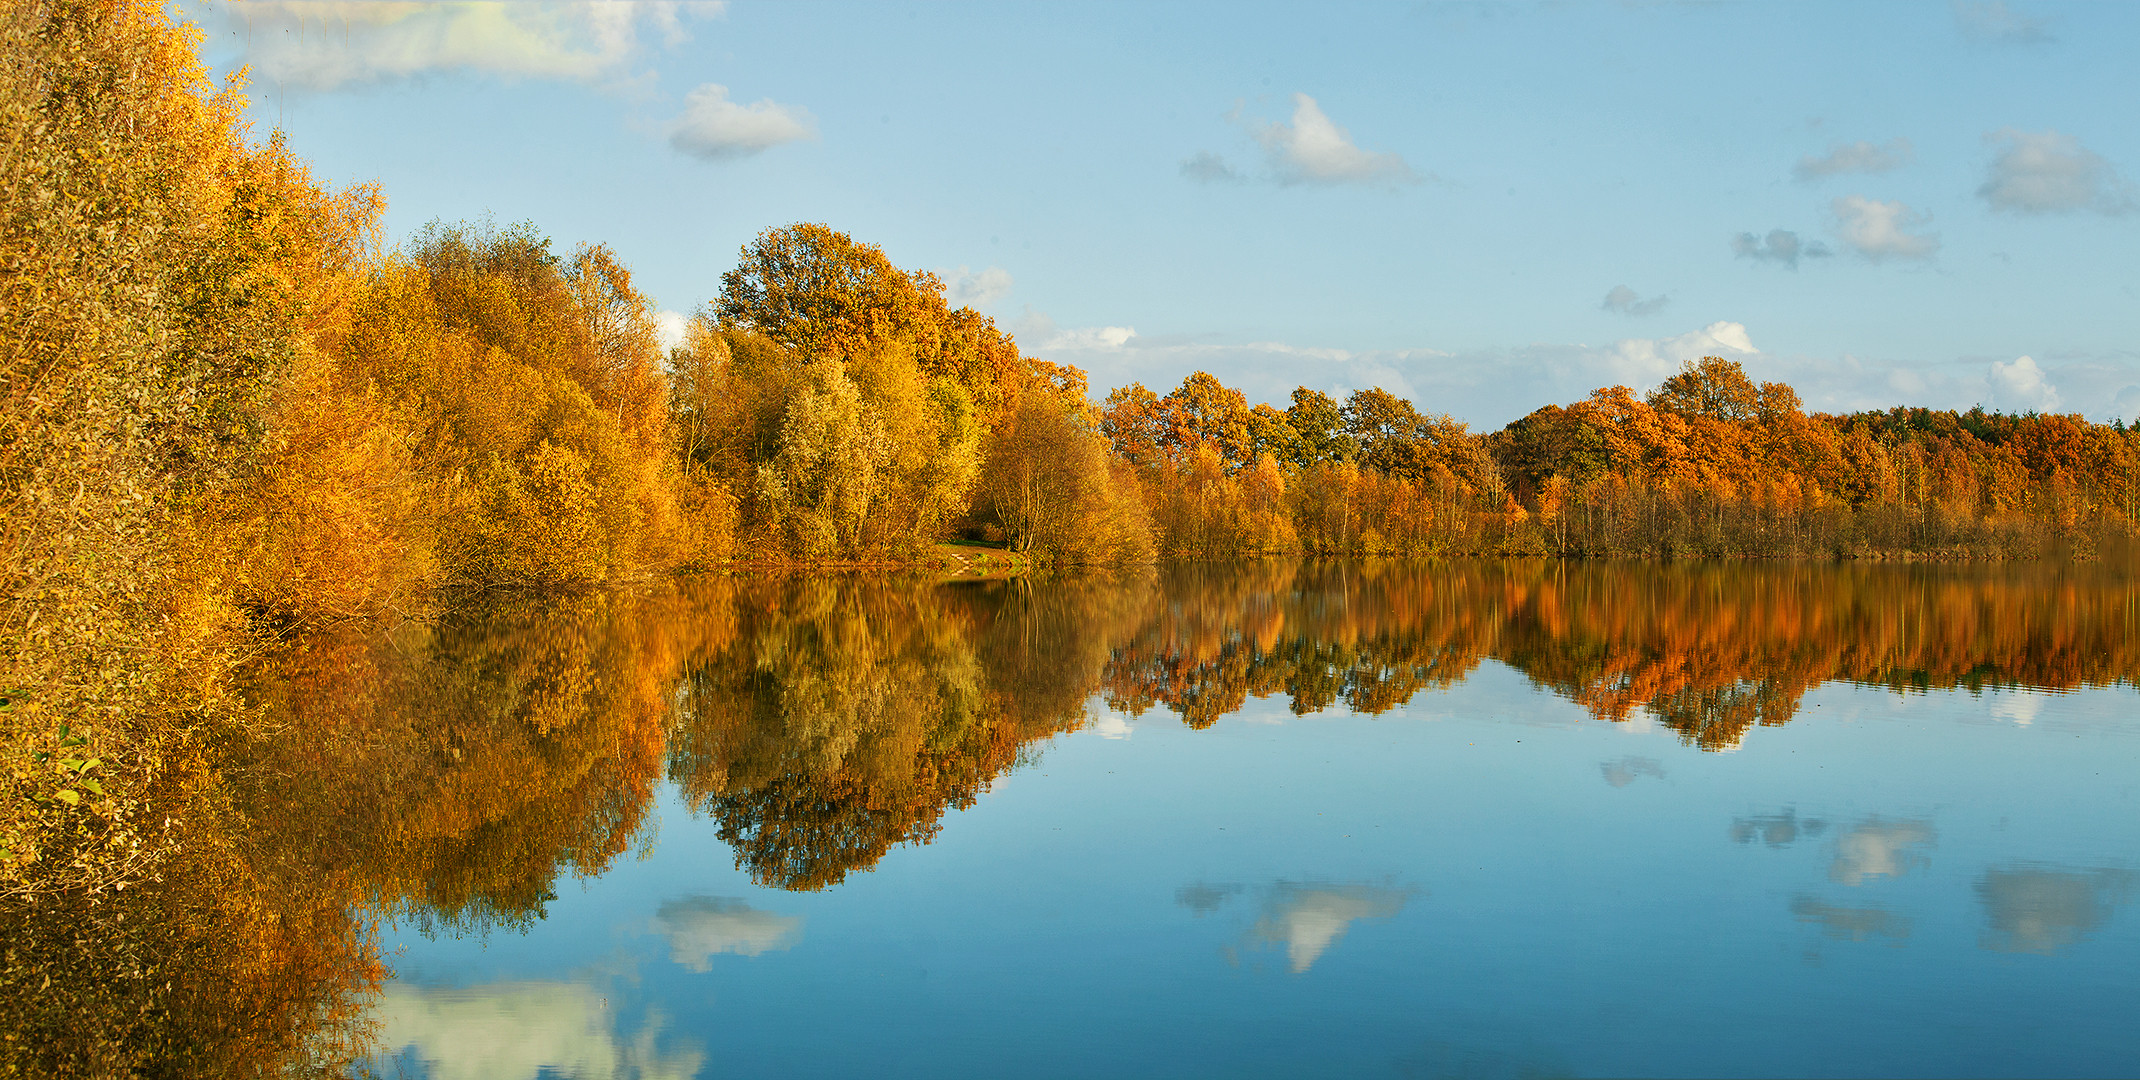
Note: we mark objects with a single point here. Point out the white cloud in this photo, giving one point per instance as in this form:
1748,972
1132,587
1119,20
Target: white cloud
670,327
702,927
976,289
2049,173
1847,383
2126,401
1627,301
1881,230
2021,386
1727,336
1780,246
717,129
1111,338
1993,21
1263,370
1486,386
1038,333
1857,157
1314,150
1906,382
522,1031
335,43
1490,386
1646,361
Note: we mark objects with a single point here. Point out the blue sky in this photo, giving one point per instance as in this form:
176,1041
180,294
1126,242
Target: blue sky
1484,207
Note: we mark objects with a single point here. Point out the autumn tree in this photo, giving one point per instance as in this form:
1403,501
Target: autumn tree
818,489
1713,387
153,282
1136,426
823,293
1552,441
1051,484
1318,421
1271,432
534,402
820,292
1205,411
933,382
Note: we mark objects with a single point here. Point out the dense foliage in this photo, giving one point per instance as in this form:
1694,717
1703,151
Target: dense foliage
230,411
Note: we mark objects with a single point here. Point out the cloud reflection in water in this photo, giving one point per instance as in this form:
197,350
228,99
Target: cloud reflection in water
700,927
2037,909
1306,918
1876,848
1852,923
1202,899
1627,770
522,1031
1775,830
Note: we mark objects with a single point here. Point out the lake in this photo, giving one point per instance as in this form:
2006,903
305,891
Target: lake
1274,819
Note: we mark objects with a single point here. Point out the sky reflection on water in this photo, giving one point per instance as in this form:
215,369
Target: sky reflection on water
1480,874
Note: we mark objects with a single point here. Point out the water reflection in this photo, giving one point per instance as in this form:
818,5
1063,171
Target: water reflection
523,1031
1307,919
457,768
224,962
1874,848
449,774
1450,1061
1710,650
1776,830
1851,923
840,719
2017,707
1320,634
1629,769
2040,909
1202,899
1303,918
701,927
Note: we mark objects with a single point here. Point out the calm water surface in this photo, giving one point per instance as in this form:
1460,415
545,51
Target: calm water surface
1286,820
1507,819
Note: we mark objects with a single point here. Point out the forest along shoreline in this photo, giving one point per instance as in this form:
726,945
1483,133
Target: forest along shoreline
234,413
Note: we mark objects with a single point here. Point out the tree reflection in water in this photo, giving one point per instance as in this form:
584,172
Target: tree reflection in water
1711,650
228,962
446,773
841,721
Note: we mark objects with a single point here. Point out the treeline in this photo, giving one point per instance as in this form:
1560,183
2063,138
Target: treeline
1708,464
